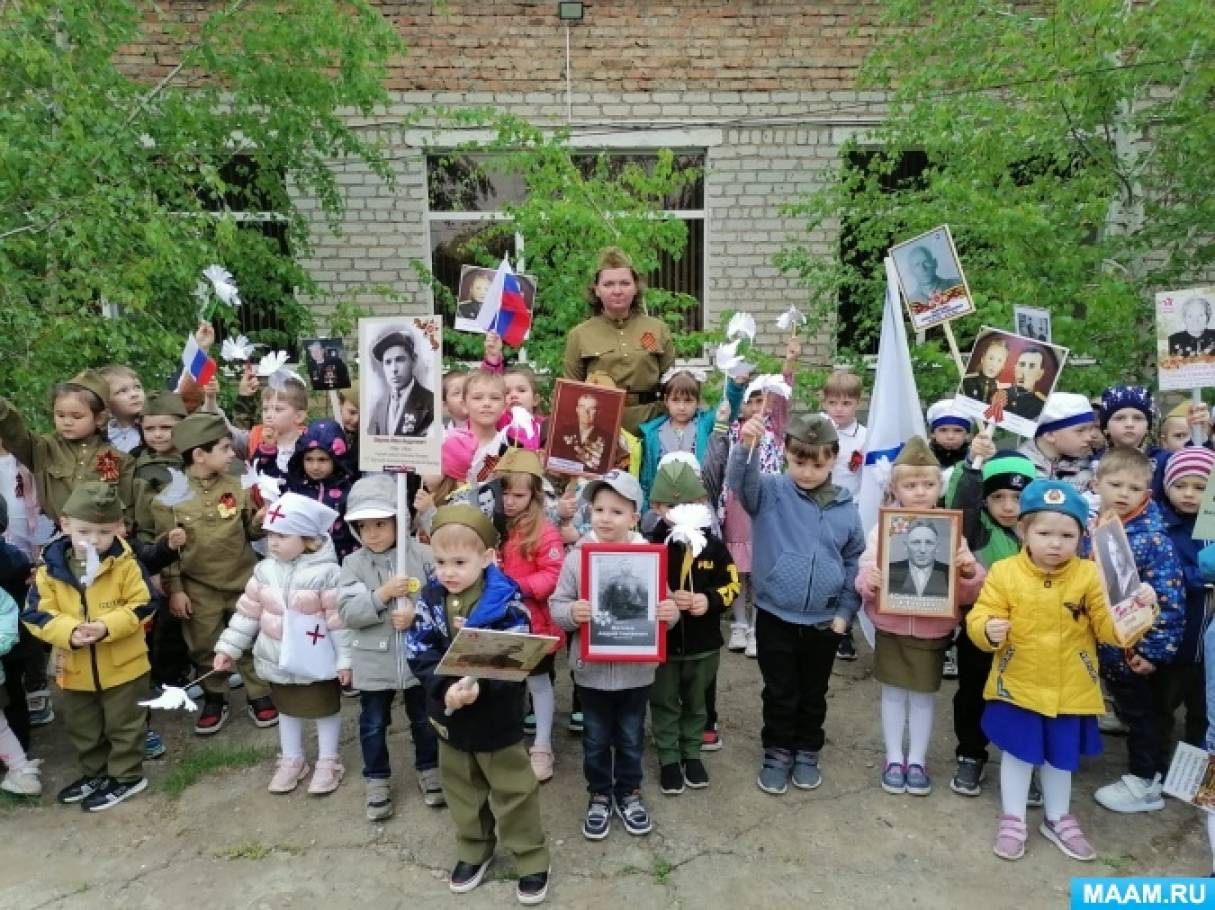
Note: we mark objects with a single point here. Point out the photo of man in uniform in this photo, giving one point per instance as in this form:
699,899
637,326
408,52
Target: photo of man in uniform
1024,399
1117,564
1196,339
326,368
921,574
474,285
983,383
407,407
583,442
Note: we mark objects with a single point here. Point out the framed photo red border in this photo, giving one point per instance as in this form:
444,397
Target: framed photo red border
586,650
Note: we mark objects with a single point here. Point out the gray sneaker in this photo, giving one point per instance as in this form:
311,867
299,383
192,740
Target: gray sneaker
918,781
894,778
806,775
774,772
379,800
968,778
432,788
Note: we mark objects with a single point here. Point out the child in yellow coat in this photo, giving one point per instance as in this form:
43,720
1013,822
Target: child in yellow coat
1042,613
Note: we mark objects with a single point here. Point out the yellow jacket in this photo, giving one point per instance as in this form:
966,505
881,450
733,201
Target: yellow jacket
119,596
1048,662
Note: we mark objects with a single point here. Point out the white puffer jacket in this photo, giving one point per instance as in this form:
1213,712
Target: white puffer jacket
309,585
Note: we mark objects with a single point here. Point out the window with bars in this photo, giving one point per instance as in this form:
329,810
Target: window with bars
466,195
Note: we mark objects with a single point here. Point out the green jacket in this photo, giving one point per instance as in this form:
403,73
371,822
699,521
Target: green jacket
987,538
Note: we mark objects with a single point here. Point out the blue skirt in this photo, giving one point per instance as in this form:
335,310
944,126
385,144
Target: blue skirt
1059,741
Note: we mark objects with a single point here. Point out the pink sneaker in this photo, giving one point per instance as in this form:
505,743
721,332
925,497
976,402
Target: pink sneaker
288,772
542,762
1067,836
1010,838
329,773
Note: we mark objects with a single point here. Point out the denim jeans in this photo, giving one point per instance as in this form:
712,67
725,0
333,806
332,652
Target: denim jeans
373,731
613,739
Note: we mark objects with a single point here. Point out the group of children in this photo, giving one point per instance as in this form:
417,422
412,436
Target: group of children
154,579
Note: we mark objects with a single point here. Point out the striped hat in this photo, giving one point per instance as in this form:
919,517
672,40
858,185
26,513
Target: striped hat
1192,461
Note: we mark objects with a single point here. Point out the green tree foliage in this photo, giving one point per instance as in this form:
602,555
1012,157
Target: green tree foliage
572,205
1068,148
117,189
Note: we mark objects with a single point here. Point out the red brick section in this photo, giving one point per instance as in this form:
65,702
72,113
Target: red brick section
620,46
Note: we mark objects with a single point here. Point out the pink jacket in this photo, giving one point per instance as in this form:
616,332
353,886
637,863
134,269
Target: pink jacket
537,577
917,627
308,585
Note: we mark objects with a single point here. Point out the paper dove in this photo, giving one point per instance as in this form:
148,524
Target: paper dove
777,386
756,386
741,325
790,319
239,348
522,429
267,487
688,522
727,356
223,284
170,699
274,368
176,491
695,372
92,563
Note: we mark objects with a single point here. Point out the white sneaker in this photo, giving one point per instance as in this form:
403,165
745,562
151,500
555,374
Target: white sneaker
1131,794
750,648
738,636
26,781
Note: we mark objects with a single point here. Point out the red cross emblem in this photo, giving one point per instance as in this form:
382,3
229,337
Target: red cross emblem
316,634
276,513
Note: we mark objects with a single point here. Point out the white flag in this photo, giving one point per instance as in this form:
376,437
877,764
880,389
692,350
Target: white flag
894,412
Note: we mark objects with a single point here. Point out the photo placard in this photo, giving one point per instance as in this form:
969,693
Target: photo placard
1008,378
1185,338
495,654
326,362
583,428
1032,322
402,358
916,558
931,279
1120,580
624,584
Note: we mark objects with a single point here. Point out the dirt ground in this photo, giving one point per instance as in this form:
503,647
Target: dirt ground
226,842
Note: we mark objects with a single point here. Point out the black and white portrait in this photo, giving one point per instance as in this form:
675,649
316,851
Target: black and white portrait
624,583
1032,322
917,551
931,278
1116,560
1185,338
400,359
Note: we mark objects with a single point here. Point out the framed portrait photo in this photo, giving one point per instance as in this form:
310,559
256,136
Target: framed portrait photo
1120,579
399,425
583,428
1185,338
494,654
326,362
1008,378
931,279
916,558
624,583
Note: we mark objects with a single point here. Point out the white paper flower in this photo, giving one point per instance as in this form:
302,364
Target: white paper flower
741,325
271,363
688,522
790,319
777,386
238,348
223,284
520,419
176,491
170,699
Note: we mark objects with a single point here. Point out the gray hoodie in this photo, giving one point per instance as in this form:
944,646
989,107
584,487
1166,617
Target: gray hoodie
610,676
376,648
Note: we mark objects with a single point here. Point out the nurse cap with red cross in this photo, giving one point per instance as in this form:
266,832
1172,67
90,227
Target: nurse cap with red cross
295,514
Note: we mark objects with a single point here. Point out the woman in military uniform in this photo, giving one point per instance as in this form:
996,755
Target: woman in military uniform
621,340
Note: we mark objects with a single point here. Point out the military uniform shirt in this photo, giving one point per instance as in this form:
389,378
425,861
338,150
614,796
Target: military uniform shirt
59,464
635,352
218,521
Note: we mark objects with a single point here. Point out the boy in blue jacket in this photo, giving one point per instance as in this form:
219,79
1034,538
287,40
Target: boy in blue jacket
1183,482
1136,678
807,541
492,793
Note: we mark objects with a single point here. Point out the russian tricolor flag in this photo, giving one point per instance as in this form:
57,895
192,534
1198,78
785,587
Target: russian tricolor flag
196,363
512,319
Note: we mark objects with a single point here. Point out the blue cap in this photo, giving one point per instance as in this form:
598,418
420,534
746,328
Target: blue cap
1054,496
